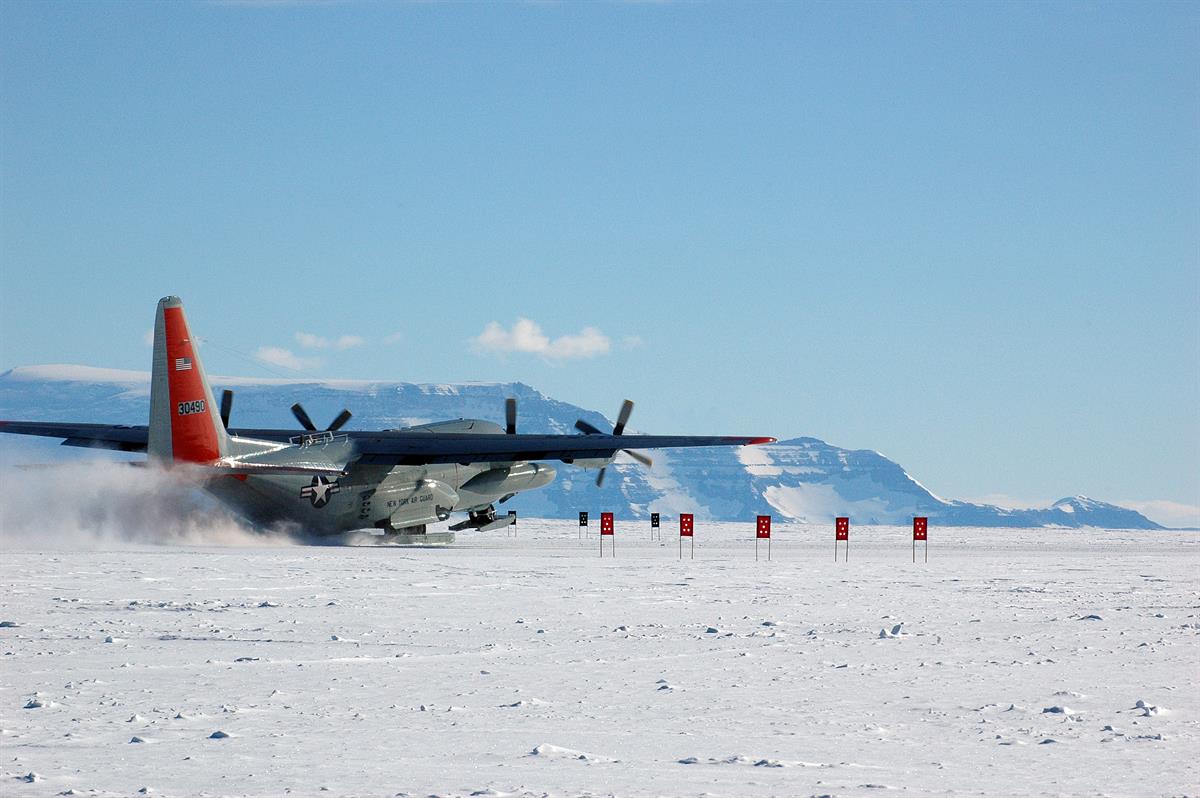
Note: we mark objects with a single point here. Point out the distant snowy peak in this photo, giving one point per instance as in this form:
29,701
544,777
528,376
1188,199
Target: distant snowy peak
807,479
67,372
1080,503
1117,516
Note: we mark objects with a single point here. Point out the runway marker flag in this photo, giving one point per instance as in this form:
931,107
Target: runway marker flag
583,522
920,532
606,530
841,531
654,524
685,531
763,532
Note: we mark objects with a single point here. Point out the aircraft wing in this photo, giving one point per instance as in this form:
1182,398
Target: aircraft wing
404,448
120,437
400,448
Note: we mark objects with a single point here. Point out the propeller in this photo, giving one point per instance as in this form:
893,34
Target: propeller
307,423
510,416
226,406
302,417
622,420
623,417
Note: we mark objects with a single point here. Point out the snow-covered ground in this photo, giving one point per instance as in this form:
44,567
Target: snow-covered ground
1016,662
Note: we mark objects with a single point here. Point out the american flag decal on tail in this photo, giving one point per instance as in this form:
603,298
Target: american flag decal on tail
183,364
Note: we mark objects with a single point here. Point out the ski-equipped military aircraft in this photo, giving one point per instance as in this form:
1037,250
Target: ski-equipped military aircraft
331,481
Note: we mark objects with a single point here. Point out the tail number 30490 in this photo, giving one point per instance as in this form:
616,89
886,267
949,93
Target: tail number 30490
188,408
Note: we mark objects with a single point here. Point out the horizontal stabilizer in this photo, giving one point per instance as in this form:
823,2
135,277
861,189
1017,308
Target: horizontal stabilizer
252,468
93,436
75,464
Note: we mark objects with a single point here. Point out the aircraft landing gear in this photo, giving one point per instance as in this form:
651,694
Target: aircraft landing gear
392,531
416,536
484,520
484,516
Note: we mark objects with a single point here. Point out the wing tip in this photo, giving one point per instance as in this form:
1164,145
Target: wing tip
757,441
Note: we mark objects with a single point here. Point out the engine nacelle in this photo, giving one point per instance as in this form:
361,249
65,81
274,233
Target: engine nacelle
427,502
490,485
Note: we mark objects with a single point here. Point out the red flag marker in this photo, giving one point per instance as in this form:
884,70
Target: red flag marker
841,531
763,531
685,531
920,532
606,530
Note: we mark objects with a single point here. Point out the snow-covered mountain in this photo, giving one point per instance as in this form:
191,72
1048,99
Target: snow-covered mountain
803,479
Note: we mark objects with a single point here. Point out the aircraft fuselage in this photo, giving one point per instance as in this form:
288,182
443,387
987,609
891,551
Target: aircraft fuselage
394,498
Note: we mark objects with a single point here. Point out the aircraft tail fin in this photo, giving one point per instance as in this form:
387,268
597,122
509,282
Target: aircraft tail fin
184,422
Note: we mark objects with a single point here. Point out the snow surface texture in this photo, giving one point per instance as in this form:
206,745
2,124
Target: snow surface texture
804,479
1016,662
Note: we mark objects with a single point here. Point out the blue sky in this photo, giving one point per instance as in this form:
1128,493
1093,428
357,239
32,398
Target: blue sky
966,235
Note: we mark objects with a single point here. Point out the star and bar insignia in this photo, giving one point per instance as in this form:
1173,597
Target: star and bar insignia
319,490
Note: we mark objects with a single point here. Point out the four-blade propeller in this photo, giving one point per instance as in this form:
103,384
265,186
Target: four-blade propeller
622,420
297,411
308,424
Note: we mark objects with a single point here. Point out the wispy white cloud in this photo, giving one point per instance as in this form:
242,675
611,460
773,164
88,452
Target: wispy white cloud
310,341
526,336
1011,502
278,356
632,342
148,337
394,338
1166,512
